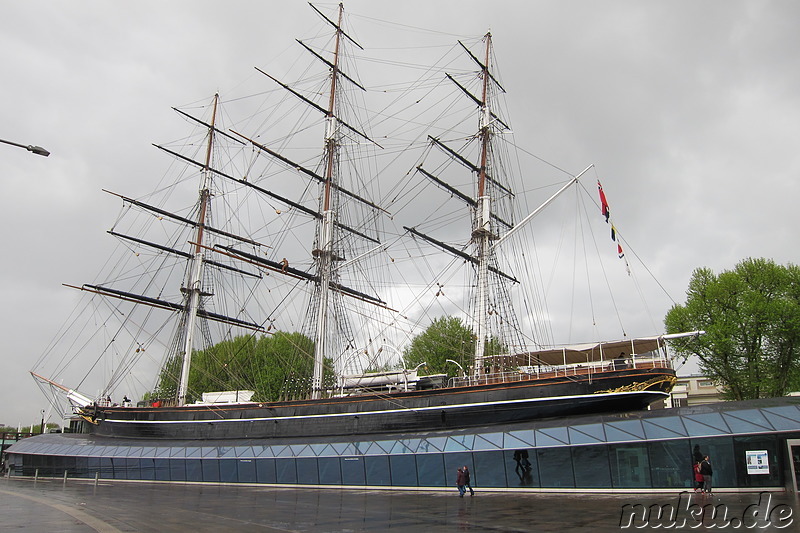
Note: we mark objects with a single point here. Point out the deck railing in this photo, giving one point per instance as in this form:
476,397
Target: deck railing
579,369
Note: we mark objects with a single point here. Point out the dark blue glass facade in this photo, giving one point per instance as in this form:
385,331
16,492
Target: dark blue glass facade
643,450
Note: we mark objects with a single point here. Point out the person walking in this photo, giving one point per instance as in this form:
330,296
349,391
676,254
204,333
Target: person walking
707,472
698,477
467,484
461,482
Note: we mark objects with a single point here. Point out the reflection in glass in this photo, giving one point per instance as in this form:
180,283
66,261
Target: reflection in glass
377,470
591,466
555,467
430,470
352,470
521,468
629,465
404,470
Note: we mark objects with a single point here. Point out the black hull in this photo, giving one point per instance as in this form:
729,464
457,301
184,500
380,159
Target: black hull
430,410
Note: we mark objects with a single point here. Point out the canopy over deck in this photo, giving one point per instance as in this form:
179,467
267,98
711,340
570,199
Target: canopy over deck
590,352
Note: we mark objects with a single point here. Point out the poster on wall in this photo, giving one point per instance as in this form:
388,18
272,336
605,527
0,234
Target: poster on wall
757,462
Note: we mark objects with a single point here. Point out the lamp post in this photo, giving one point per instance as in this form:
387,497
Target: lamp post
41,430
38,150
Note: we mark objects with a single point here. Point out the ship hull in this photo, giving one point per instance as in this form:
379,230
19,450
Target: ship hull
428,410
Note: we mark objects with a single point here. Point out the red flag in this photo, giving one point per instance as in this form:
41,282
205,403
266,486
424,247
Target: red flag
603,203
619,251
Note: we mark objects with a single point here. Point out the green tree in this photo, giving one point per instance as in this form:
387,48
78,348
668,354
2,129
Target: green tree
446,338
277,367
751,316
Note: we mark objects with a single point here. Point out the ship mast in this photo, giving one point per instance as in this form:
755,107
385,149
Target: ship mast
481,233
193,290
324,253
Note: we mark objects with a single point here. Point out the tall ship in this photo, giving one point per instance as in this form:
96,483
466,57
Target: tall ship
284,300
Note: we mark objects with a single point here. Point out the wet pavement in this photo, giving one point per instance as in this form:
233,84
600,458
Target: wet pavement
80,506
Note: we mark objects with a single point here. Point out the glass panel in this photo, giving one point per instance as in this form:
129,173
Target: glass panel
177,451
244,451
228,471
664,428
747,421
82,468
285,471
404,470
135,451
454,461
625,430
192,451
781,423
226,451
521,468
161,467
723,461
459,443
194,470
163,452
246,470
319,449
353,471
330,473
483,444
149,451
525,436
547,437
119,468
307,473
106,468
789,411
430,470
377,470
705,424
586,434
210,469
405,446
671,464
177,470
147,468
386,445
489,470
300,450
555,467
209,451
374,449
263,451
629,465
742,445
493,438
591,467
433,444
343,448
265,470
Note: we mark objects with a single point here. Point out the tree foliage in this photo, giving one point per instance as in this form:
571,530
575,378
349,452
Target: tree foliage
751,316
446,338
277,367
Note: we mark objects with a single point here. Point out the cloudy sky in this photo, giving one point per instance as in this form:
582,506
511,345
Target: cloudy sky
690,111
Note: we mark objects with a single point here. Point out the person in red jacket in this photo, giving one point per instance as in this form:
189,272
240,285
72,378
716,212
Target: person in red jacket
698,477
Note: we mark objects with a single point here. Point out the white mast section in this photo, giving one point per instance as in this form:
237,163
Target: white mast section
481,233
325,251
194,285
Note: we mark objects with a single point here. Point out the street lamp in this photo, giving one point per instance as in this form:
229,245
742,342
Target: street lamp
38,150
